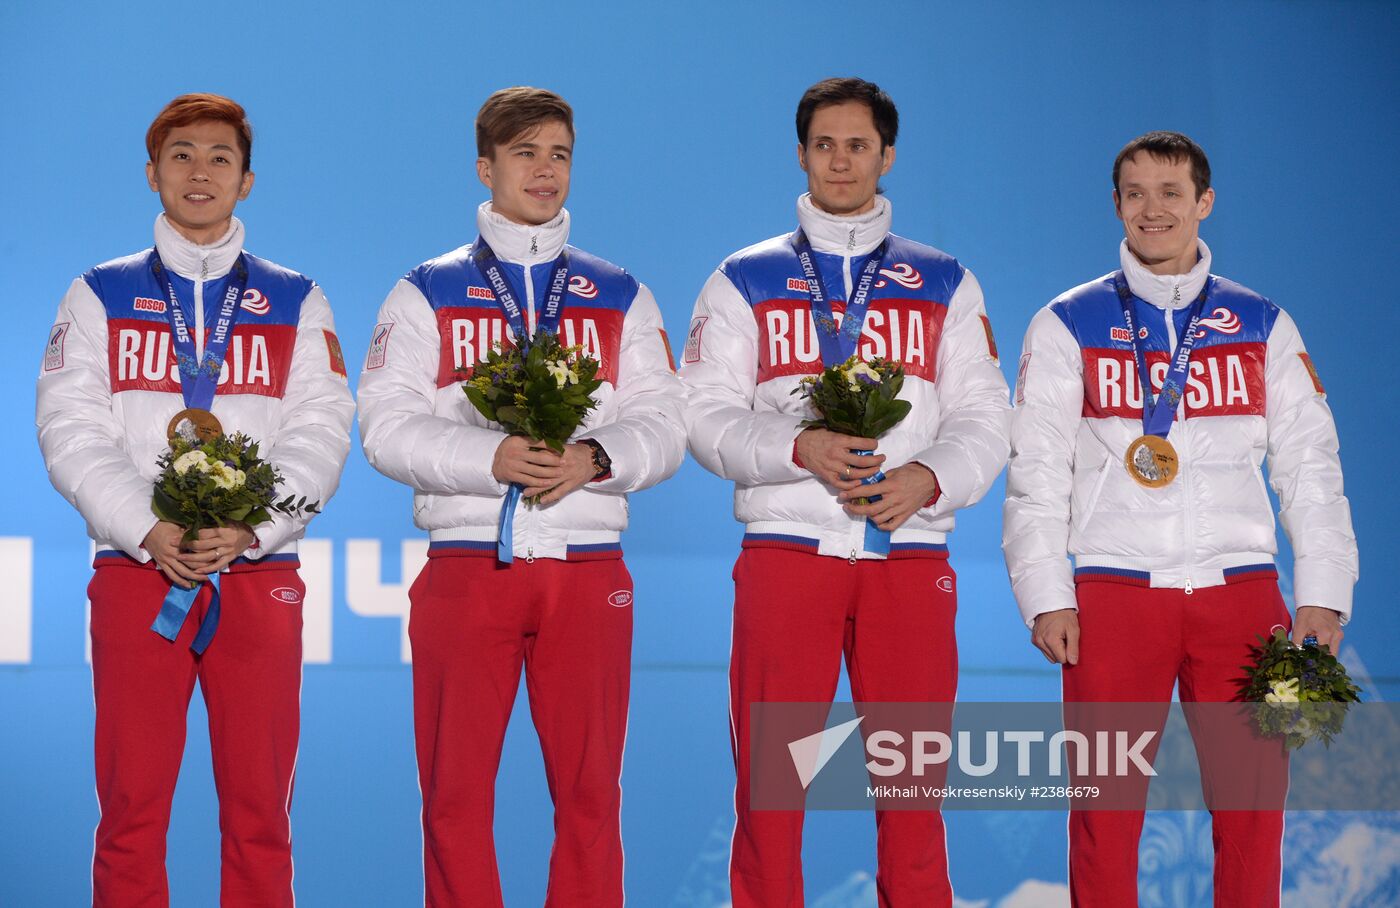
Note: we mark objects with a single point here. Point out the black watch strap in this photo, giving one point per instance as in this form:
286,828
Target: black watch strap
602,463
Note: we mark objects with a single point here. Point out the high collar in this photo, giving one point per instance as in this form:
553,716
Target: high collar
189,259
1166,291
854,235
523,244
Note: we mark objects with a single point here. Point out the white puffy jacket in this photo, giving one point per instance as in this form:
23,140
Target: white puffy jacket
419,428
752,339
109,386
1252,392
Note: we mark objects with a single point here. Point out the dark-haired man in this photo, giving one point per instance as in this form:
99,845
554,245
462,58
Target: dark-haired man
194,324
815,580
559,599
1160,500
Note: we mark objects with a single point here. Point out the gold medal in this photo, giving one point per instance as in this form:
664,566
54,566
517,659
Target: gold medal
195,426
1151,461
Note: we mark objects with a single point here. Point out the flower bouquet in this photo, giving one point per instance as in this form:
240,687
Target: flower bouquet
542,393
213,483
861,399
1302,692
856,398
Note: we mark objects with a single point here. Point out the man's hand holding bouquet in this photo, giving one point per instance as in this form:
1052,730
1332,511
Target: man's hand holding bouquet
539,396
1303,692
856,402
212,489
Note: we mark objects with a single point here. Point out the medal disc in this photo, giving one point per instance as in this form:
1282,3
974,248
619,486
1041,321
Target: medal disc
195,426
1151,461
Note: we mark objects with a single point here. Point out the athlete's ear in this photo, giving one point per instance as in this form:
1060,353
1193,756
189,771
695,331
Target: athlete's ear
802,156
888,157
1205,204
246,187
1117,205
151,176
483,172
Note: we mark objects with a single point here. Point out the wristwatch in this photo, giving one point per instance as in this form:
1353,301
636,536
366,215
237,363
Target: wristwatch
602,463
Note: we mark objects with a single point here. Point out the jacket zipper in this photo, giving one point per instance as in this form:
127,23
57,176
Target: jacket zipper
199,309
846,273
527,513
1182,457
529,301
846,261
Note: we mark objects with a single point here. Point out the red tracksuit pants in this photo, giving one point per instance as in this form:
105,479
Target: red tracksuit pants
795,615
1135,644
251,680
474,624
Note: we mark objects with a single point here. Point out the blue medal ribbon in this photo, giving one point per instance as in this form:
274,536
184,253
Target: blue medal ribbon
199,381
547,320
876,539
176,608
1159,411
837,344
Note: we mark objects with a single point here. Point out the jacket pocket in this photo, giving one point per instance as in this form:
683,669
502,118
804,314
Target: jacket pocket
1083,510
1264,502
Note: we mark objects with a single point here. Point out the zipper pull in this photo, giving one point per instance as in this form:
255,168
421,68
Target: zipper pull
530,555
1189,588
534,243
1176,293
852,559
204,268
851,239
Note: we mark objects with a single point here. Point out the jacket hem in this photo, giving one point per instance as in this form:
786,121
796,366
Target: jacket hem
278,561
797,538
468,548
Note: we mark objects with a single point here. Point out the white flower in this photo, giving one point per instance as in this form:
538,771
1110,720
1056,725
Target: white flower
222,474
188,460
856,370
239,478
562,373
1283,692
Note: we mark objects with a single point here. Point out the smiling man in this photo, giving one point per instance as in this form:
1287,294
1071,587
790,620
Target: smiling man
1159,498
554,597
820,574
131,348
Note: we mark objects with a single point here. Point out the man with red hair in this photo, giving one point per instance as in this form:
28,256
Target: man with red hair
130,348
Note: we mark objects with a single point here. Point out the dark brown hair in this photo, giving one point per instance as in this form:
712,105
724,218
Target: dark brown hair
512,112
839,91
1168,146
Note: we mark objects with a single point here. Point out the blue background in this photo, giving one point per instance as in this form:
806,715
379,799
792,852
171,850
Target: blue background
1011,114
